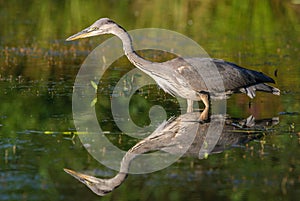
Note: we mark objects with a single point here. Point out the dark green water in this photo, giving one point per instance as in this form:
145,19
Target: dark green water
38,70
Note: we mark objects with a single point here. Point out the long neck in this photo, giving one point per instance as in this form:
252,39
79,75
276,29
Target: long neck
132,56
123,172
156,141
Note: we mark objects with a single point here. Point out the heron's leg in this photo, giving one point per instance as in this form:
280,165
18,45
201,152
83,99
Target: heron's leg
205,99
190,104
204,114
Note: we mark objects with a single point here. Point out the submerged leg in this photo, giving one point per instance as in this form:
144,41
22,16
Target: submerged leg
190,104
204,114
205,99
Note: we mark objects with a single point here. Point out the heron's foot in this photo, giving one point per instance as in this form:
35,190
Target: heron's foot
205,99
204,114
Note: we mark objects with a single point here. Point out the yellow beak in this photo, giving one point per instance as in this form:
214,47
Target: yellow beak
82,34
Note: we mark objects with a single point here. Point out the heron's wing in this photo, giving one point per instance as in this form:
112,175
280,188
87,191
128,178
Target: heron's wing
206,74
186,74
202,73
236,77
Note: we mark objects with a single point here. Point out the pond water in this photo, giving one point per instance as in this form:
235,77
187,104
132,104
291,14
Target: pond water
257,157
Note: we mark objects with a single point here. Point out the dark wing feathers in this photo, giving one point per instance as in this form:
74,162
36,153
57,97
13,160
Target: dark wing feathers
199,75
235,77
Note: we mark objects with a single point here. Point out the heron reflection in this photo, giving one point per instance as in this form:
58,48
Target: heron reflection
171,136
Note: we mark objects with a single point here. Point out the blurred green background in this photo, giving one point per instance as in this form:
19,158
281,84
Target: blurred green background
37,73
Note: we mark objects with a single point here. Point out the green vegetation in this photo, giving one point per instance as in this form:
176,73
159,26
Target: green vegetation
37,73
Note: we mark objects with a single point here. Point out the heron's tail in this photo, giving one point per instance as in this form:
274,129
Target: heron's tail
267,88
250,91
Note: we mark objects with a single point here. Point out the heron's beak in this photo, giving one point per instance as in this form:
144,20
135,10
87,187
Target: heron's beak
82,34
99,186
86,179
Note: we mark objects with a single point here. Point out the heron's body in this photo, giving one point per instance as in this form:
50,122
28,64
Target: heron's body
179,77
187,82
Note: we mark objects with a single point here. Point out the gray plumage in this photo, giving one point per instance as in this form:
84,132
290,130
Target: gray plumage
205,77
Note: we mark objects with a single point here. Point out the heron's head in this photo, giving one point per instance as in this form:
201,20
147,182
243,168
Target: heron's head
101,26
99,186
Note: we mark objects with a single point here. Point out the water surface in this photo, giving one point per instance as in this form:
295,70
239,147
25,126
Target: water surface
38,69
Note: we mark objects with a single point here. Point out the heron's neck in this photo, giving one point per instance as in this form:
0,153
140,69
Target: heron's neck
130,53
123,172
